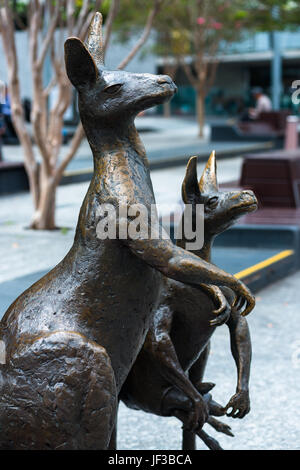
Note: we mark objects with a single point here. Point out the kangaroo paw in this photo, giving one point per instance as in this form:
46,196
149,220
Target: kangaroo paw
204,387
215,409
209,441
219,426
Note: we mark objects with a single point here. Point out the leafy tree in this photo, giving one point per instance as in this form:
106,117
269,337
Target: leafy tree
195,34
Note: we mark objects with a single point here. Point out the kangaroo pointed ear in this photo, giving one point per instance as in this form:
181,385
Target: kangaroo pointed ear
208,181
190,188
80,66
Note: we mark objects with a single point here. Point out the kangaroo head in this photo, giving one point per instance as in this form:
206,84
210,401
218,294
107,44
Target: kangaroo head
221,209
110,95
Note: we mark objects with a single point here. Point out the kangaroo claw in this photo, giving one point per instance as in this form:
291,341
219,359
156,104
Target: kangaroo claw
211,443
215,409
219,426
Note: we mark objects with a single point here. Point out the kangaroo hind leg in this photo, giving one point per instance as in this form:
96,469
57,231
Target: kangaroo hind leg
58,392
179,405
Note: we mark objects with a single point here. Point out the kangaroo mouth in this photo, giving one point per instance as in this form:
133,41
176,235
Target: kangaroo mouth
245,206
153,100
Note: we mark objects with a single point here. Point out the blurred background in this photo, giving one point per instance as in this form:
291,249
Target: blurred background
237,68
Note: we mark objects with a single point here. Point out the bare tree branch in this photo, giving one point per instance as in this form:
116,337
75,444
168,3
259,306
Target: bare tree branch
34,26
70,16
113,11
9,46
145,34
188,71
82,17
73,147
49,87
49,36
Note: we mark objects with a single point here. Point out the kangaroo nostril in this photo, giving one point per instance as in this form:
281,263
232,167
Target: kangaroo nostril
250,196
250,193
164,79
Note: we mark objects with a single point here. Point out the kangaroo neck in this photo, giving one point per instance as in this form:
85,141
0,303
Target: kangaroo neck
117,144
107,138
204,252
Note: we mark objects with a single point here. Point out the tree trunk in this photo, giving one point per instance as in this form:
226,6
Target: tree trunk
200,111
44,215
167,109
44,179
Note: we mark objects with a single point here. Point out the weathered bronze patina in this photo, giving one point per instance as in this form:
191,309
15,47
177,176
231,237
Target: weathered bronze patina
73,336
167,376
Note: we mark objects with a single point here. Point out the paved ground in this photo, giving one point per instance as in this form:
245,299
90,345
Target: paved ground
164,139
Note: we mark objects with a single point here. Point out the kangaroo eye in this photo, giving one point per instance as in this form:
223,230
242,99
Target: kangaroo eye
212,202
111,90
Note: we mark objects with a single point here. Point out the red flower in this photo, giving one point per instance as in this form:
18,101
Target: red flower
216,25
201,20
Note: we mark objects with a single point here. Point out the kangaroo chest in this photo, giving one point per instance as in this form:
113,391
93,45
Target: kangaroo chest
191,330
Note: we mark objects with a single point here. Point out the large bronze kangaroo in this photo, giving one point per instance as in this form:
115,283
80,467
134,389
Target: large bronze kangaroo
167,376
73,336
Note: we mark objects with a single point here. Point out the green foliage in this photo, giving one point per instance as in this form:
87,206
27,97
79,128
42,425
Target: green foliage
194,25
270,15
203,23
132,17
176,23
20,10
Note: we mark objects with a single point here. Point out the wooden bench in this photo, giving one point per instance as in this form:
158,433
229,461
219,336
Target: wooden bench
269,126
274,177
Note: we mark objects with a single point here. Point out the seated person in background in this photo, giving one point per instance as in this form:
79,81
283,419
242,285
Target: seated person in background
263,104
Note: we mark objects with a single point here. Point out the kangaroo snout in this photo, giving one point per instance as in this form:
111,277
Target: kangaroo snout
249,195
244,201
165,79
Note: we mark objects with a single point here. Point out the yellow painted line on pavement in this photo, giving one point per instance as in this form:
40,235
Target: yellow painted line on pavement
263,264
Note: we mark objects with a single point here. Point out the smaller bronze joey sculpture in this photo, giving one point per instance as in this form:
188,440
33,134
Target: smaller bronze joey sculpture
166,378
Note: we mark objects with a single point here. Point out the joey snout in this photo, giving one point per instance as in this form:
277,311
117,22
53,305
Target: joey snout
244,201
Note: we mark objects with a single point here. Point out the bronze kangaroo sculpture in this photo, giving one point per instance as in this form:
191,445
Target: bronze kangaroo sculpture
167,376
72,337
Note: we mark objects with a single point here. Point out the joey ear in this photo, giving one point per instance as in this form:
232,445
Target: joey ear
80,66
208,182
190,188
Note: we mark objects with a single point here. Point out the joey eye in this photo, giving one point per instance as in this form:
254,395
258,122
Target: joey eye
212,202
111,90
